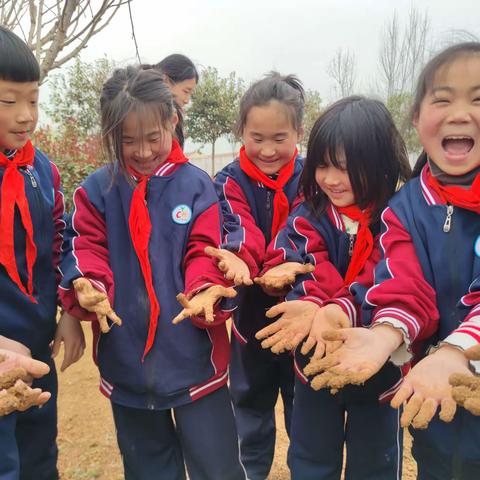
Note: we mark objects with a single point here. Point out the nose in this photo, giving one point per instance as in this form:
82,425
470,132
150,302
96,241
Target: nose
24,113
143,151
331,177
267,151
460,113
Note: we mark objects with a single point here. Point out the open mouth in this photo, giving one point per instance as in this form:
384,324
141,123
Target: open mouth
457,144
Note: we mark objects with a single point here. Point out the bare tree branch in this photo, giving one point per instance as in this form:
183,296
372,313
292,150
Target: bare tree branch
343,70
57,30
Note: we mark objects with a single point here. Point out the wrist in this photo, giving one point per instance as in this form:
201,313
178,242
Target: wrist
452,352
391,337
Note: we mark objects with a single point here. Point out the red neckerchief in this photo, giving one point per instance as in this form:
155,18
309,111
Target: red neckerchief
13,194
364,242
467,198
280,201
140,229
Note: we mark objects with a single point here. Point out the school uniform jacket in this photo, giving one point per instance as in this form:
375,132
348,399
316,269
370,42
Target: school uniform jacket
323,242
187,360
33,324
247,207
428,286
428,282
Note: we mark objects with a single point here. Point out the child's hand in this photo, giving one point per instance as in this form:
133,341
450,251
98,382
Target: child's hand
466,387
426,387
277,278
16,370
97,302
14,346
20,397
69,331
291,328
10,361
362,354
203,303
232,266
330,317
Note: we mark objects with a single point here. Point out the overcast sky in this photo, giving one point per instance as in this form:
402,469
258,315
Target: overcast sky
252,37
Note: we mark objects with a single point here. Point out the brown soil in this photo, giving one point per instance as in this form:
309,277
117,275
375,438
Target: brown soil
86,437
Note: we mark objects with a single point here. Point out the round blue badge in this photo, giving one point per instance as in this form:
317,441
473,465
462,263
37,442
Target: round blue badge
181,214
476,247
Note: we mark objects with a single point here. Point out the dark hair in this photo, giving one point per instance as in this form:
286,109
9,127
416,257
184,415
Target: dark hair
132,89
287,90
18,64
427,77
177,68
375,154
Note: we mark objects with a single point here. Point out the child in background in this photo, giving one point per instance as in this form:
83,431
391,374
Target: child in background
31,230
256,194
137,238
427,285
355,160
181,76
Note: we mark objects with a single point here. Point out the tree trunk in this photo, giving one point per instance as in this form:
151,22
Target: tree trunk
213,159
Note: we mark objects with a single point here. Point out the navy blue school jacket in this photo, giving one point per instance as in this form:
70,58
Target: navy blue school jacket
188,360
427,284
323,242
247,207
33,324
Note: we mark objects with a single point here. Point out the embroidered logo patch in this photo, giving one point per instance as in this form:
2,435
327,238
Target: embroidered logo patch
181,214
476,247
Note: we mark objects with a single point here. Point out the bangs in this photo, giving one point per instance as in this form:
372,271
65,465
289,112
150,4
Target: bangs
18,62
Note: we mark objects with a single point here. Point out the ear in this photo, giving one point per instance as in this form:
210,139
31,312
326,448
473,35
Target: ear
174,120
300,133
415,120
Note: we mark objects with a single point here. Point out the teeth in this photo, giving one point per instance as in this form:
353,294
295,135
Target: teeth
458,137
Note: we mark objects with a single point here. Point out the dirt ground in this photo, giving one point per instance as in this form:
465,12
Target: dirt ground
86,439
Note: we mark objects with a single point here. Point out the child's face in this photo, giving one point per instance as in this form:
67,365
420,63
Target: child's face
147,145
335,182
448,122
182,91
269,137
18,113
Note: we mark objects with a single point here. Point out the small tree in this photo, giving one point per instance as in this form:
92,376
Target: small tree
57,30
399,106
214,108
313,109
74,98
342,68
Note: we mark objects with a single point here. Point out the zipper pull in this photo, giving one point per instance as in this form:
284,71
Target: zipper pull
32,178
448,221
350,245
269,200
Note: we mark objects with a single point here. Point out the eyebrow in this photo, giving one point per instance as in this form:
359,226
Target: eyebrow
451,90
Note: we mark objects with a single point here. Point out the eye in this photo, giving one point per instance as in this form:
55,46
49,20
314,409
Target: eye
440,101
7,102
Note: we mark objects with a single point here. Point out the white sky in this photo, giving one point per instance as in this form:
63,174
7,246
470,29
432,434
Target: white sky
252,37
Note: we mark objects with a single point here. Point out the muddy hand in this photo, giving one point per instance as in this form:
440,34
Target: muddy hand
279,277
203,303
234,268
97,302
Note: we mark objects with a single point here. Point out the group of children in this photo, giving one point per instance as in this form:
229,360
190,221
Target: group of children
339,272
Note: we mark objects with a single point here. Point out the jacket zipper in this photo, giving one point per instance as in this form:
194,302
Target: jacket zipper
448,220
351,243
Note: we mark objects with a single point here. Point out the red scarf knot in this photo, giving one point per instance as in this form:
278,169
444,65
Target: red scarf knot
13,194
140,229
467,198
281,207
364,243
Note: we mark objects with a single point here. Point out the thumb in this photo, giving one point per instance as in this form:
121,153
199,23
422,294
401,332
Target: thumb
57,341
275,310
213,252
229,292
